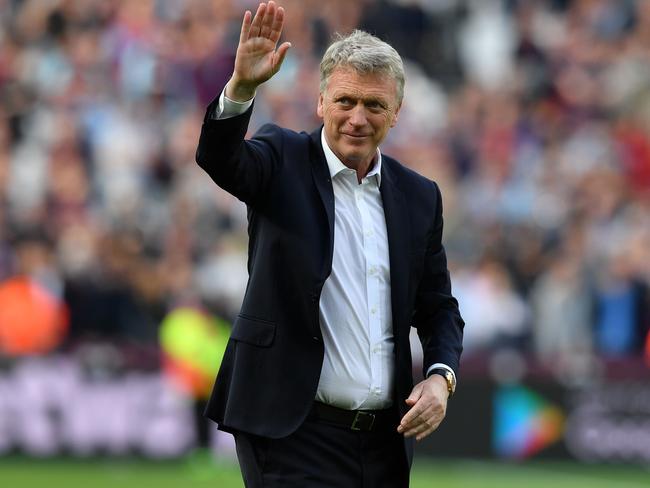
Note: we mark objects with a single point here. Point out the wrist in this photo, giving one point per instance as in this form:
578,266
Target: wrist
239,91
446,377
440,381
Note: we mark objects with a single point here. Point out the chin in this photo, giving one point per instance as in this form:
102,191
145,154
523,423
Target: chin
354,160
354,157
357,152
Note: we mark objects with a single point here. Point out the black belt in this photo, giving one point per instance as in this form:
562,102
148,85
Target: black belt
360,420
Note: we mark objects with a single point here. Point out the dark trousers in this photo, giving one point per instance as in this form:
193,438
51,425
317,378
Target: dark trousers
320,455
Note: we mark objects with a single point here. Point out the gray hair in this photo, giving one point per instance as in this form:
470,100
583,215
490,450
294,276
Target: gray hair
364,53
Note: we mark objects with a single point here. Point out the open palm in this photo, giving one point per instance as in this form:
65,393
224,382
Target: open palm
257,59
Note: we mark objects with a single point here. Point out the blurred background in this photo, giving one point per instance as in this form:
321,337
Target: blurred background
122,264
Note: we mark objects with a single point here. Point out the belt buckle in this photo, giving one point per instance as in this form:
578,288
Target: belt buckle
361,418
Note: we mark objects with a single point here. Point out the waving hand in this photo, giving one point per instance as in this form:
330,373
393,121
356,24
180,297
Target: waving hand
257,59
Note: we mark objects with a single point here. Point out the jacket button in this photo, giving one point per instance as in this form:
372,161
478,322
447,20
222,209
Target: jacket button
316,339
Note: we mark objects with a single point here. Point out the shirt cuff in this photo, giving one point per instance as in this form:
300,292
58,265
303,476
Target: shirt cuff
227,108
443,366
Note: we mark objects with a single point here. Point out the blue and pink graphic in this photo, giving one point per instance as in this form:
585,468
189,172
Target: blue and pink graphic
524,423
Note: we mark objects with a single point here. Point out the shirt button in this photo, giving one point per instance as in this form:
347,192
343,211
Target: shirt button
373,310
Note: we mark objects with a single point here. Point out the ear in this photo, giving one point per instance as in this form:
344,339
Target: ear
319,108
395,116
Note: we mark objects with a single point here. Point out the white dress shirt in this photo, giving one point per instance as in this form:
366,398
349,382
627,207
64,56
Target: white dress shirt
355,304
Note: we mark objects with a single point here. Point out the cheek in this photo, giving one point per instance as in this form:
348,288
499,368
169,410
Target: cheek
383,123
332,118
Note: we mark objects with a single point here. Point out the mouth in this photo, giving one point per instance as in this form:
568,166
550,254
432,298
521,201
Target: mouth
356,136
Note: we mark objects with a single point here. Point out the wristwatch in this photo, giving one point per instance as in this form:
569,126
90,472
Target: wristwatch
449,377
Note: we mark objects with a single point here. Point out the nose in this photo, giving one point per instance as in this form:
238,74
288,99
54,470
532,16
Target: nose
358,116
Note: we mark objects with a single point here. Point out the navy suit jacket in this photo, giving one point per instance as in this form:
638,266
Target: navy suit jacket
270,372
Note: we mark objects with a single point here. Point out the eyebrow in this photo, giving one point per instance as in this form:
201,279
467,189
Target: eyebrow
365,100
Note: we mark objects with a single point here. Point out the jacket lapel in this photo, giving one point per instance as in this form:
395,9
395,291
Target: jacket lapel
398,230
322,180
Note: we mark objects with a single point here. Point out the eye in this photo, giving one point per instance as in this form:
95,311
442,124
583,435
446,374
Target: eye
375,105
345,102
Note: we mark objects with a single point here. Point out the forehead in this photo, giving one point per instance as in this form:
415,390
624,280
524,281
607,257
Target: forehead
347,81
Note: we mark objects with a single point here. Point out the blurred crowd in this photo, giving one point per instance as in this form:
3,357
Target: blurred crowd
533,116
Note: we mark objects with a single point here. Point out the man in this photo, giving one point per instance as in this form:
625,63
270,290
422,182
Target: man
345,256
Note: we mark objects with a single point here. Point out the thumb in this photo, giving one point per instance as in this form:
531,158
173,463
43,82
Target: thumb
414,396
280,55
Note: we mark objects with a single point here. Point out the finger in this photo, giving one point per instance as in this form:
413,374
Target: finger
267,22
432,425
423,411
419,429
416,406
425,424
276,28
415,395
412,417
410,422
415,412
280,55
424,428
410,428
245,27
257,20
424,434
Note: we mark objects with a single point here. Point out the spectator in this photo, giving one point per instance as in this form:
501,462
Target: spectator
540,140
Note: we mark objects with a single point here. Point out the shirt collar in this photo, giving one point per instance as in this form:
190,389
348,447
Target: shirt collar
336,166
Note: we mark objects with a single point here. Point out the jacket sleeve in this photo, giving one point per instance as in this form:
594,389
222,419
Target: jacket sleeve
436,316
242,167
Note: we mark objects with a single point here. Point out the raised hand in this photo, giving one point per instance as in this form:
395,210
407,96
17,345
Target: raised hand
257,59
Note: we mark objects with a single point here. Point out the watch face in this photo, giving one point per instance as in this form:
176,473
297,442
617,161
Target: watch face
451,385
449,378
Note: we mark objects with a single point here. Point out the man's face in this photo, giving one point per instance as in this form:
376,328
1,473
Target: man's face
357,112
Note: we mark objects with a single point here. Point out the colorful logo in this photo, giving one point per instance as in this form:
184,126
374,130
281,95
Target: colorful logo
524,423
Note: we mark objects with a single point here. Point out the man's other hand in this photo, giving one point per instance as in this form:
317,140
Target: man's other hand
428,402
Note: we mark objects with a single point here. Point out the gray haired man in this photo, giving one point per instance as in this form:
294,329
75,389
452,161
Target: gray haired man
345,256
